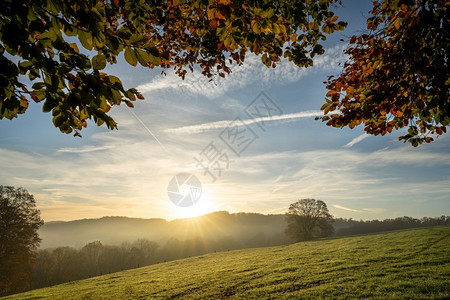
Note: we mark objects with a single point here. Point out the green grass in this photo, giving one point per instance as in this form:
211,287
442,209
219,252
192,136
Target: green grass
411,264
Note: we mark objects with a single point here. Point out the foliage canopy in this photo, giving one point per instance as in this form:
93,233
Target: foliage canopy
398,73
41,39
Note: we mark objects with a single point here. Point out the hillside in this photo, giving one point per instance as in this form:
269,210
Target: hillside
396,265
116,230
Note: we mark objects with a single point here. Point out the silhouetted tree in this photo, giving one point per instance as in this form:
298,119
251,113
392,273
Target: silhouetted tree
308,219
148,249
90,254
19,222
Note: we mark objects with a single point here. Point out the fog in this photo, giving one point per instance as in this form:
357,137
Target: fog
241,228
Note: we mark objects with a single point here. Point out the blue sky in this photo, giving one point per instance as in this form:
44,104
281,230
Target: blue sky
126,172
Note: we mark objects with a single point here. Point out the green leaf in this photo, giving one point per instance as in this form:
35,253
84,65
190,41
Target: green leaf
25,64
84,114
38,85
68,29
116,96
64,68
99,62
151,49
154,60
4,82
142,57
130,56
85,39
51,35
113,44
40,94
129,95
138,39
123,33
58,120
113,79
49,104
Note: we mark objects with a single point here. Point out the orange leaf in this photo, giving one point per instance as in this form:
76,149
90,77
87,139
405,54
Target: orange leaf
35,98
211,13
397,23
218,15
24,103
214,24
331,93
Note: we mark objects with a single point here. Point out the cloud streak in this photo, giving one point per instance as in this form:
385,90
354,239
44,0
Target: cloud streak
356,140
346,208
84,149
225,123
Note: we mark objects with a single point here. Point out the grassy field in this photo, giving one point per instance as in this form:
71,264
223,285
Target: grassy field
411,264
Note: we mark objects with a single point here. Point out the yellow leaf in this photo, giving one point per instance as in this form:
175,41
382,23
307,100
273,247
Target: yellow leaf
331,93
211,13
74,47
24,103
350,90
224,2
397,23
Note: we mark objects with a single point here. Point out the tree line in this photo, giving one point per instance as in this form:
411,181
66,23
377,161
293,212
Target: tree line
64,264
361,227
309,219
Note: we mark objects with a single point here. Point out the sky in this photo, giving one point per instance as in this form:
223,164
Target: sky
278,157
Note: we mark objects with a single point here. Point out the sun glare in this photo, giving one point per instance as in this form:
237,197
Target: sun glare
202,207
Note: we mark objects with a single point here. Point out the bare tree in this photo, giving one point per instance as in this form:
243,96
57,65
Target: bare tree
308,219
19,222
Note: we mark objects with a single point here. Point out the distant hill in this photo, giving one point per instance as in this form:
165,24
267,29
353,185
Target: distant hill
242,227
409,264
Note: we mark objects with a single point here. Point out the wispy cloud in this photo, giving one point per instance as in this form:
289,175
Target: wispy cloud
356,140
346,208
250,72
131,179
84,149
225,123
362,210
374,210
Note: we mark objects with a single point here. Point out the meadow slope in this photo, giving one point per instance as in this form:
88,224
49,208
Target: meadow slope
410,264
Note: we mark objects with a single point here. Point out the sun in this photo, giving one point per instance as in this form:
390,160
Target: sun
204,206
200,208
